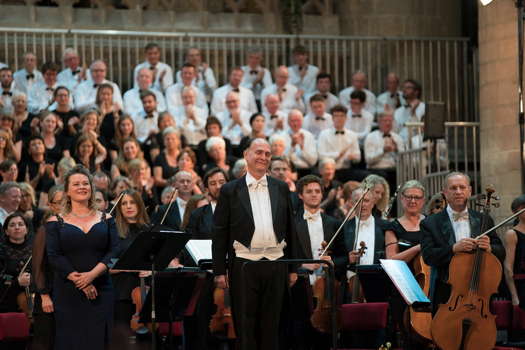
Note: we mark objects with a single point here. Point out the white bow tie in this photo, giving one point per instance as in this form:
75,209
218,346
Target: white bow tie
309,216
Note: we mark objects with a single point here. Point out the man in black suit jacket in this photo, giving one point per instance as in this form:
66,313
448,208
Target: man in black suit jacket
254,221
453,230
184,185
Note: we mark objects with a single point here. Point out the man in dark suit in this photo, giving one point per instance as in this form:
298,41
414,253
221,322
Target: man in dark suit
453,230
253,222
184,185
313,227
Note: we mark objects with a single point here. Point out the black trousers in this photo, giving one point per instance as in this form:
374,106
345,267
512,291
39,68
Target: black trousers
43,327
257,318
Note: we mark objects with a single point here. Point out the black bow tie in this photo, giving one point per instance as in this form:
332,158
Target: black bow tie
254,72
407,106
152,67
149,115
320,118
339,132
325,96
75,72
30,76
387,134
236,90
302,67
393,95
7,93
95,86
274,116
283,90
50,89
356,115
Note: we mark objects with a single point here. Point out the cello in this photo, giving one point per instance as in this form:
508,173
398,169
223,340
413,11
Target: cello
465,321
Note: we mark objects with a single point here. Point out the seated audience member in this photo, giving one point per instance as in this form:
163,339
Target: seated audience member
317,120
239,168
130,150
280,169
257,124
204,78
289,95
359,82
146,122
276,120
89,124
341,145
101,199
302,74
57,146
323,88
36,169
7,148
124,129
8,88
359,119
213,128
174,92
381,148
8,170
119,185
187,161
167,193
190,118
54,204
28,76
236,121
255,77
155,142
90,152
24,123
132,101
381,191
195,202
101,181
330,186
63,167
301,147
166,163
28,206
40,95
216,148
62,108
246,98
143,182
412,111
71,76
86,92
278,145
344,201
162,74
10,197
392,97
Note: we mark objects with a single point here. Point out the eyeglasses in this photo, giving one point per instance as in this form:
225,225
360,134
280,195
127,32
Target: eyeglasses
413,198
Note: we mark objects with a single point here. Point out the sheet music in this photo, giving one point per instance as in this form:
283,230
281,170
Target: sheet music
404,281
199,249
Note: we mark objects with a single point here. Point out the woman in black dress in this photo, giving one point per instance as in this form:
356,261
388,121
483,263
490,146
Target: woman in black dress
125,129
56,145
165,165
515,256
80,244
63,109
109,111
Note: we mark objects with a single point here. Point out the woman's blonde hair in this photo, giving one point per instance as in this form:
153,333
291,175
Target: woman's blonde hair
373,179
25,187
9,151
78,169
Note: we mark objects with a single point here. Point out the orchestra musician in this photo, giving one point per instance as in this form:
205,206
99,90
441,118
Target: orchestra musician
452,231
254,221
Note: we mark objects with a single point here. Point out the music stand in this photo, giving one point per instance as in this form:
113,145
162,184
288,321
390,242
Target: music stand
152,250
374,282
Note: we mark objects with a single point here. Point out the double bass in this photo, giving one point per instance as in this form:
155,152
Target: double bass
465,321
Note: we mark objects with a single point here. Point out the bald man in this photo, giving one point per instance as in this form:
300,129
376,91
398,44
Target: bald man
289,95
359,83
132,102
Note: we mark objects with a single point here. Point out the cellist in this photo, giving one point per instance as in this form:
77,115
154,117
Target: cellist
313,227
451,231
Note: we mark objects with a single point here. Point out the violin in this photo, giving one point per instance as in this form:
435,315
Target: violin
353,282
25,300
465,321
138,296
221,322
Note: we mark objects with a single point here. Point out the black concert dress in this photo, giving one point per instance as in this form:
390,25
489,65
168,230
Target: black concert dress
81,324
519,267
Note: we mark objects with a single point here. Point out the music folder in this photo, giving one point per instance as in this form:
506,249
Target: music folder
401,276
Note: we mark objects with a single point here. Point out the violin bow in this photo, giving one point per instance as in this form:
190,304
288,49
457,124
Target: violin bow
116,203
172,199
25,265
501,223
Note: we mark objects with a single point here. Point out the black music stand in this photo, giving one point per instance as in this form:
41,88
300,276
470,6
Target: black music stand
153,250
374,282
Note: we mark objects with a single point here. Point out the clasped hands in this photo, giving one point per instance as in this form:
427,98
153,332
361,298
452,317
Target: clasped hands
469,244
83,281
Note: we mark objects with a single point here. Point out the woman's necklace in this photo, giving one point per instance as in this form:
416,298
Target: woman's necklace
82,216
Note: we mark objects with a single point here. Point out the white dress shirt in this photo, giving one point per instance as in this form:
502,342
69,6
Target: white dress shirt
367,234
181,204
404,115
174,98
6,98
370,103
305,157
306,83
23,83
160,68
218,103
144,126
40,97
316,233
360,125
331,144
133,103
68,79
193,130
271,123
249,77
375,156
264,243
287,96
3,65
461,227
205,81
86,93
316,124
387,98
235,132
330,100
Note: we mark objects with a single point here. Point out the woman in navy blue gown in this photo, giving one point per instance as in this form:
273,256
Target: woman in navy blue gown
80,244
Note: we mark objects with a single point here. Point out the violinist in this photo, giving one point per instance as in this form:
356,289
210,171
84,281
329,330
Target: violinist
313,227
515,255
453,230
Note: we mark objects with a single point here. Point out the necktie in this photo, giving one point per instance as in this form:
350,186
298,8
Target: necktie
309,216
274,116
339,132
235,90
253,72
30,76
320,118
460,216
7,93
356,115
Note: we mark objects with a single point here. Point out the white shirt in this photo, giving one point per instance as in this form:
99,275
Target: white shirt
461,227
306,83
3,215
316,124
6,99
23,83
174,97
330,145
387,98
287,96
218,103
316,233
3,65
205,81
144,126
181,204
160,69
85,95
68,79
370,103
264,243
375,156
271,124
360,125
330,100
133,103
404,115
40,97
305,157
235,133
193,130
367,234
249,77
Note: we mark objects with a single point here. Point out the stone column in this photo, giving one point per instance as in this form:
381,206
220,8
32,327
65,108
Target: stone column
500,145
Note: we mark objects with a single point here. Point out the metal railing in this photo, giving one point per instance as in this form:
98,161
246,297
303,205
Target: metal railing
442,65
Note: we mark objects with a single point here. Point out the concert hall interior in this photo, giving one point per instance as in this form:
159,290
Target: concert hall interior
262,175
